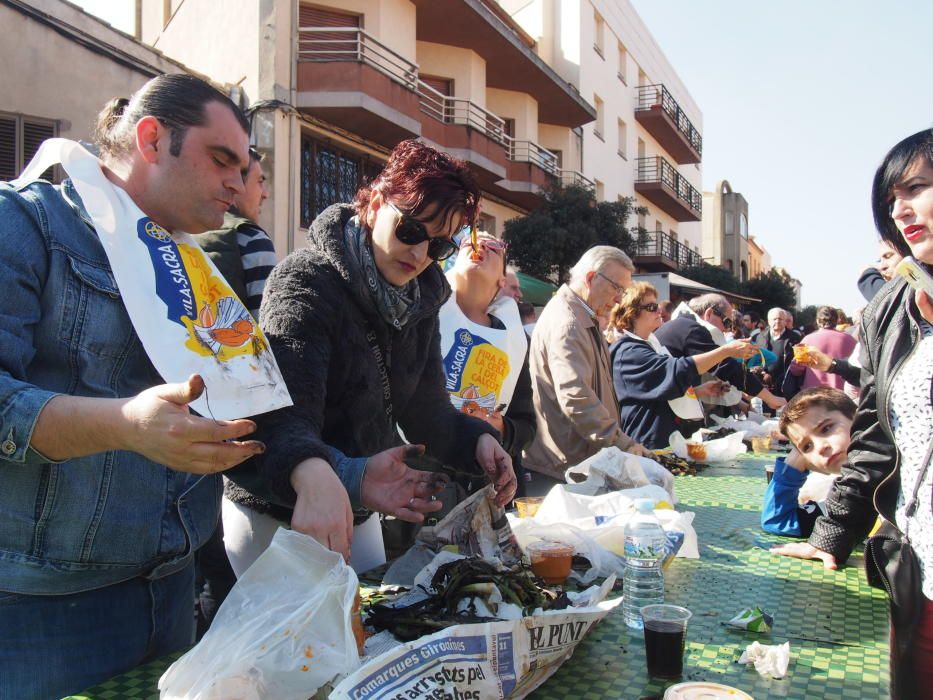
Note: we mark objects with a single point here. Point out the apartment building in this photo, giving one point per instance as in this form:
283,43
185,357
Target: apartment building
337,83
725,230
759,259
646,139
61,65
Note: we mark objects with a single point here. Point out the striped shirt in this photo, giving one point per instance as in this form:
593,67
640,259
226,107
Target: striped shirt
258,257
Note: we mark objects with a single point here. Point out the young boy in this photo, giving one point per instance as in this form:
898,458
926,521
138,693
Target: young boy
817,421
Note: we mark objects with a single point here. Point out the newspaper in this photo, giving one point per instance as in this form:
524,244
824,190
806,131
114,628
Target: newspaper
506,659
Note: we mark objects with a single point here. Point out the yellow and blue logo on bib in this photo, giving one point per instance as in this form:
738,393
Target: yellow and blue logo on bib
475,372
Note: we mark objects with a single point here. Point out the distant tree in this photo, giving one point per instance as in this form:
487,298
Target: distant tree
714,276
806,317
550,239
774,289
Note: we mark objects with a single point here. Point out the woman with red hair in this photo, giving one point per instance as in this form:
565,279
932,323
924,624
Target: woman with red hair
353,322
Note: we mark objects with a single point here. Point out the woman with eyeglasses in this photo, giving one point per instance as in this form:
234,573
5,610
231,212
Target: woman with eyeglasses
353,322
484,349
656,391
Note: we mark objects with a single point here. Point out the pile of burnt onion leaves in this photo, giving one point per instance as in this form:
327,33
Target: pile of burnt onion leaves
466,580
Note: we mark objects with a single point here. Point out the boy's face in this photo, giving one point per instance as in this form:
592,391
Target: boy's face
822,437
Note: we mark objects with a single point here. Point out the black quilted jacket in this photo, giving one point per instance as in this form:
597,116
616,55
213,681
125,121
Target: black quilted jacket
316,316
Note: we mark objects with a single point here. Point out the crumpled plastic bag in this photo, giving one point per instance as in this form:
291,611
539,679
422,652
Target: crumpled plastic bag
721,450
595,526
611,469
750,426
283,632
771,660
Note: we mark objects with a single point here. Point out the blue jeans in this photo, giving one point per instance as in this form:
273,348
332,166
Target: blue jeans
52,646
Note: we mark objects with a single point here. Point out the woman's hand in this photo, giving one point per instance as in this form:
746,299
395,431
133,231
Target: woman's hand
392,487
805,550
322,508
640,450
497,465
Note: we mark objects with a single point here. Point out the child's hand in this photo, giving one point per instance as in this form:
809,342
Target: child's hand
796,460
805,550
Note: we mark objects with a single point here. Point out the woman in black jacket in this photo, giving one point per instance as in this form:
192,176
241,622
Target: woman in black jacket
647,379
352,320
893,428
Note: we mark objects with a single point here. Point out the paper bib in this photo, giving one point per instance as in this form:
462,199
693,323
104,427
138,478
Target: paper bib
184,312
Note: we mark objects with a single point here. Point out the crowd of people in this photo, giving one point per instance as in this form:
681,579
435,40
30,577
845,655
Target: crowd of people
410,388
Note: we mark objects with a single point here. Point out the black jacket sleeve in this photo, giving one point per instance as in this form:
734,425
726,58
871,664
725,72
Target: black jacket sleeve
301,330
872,455
521,425
850,373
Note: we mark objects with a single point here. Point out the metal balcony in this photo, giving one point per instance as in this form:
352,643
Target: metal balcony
657,251
658,111
659,182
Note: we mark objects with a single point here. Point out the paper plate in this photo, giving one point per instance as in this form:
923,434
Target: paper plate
704,691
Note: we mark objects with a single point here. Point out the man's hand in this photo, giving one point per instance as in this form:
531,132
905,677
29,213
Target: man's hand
640,450
741,349
805,550
497,465
322,508
712,389
160,426
390,486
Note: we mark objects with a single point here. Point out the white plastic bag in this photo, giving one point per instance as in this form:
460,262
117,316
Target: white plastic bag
751,427
722,450
282,633
611,469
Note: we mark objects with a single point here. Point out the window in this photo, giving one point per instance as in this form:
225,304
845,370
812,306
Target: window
674,234
20,138
623,140
600,191
487,223
330,175
623,64
326,46
599,32
642,78
657,225
598,128
743,225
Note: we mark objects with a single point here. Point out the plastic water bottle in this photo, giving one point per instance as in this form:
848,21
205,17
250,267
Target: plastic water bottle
643,582
758,405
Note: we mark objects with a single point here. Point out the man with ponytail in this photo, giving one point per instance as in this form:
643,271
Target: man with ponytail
109,483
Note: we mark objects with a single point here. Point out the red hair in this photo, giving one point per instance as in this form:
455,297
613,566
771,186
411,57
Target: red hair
417,177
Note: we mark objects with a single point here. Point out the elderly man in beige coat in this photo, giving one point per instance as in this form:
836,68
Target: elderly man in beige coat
571,375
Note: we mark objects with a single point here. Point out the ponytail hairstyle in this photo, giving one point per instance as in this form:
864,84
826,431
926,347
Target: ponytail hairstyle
177,100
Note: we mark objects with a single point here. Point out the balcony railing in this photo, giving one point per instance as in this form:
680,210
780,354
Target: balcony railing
657,170
530,152
658,244
577,179
457,110
650,96
337,44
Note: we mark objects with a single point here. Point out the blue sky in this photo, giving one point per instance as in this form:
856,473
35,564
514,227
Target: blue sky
801,99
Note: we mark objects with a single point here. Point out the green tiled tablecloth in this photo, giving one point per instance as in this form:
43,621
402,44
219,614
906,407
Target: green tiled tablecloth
836,625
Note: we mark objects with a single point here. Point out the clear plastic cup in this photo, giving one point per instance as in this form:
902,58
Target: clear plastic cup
527,506
665,639
761,444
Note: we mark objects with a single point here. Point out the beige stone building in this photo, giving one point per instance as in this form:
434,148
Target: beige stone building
759,259
60,66
336,84
646,138
725,229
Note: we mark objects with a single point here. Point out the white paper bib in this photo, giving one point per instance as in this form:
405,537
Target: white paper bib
184,312
481,364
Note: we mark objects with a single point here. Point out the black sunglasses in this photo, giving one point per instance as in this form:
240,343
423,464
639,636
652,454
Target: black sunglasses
410,231
650,307
726,320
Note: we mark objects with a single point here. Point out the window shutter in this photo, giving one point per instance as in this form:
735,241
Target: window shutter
7,149
33,136
313,45
442,85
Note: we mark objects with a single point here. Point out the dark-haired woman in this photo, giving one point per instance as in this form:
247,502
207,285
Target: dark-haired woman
353,322
892,433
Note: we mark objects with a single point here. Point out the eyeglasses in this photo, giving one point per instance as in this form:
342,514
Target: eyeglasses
410,231
618,287
726,320
650,307
491,244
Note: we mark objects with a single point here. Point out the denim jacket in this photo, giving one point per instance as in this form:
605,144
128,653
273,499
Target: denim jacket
92,521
